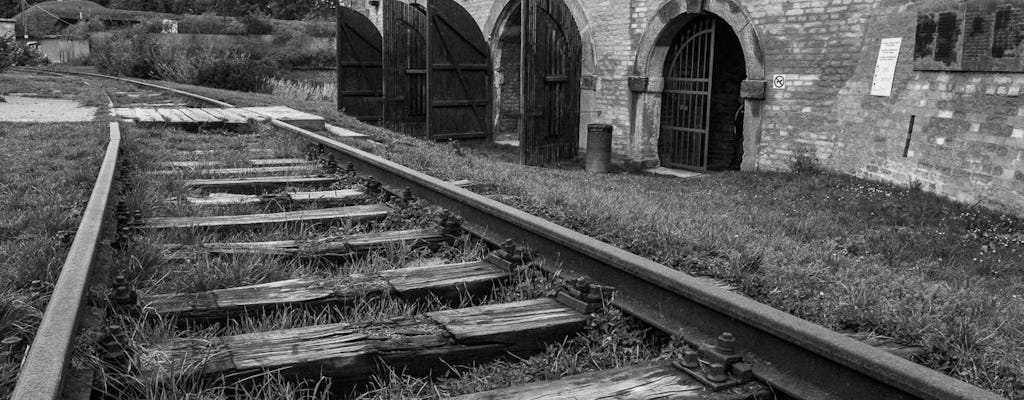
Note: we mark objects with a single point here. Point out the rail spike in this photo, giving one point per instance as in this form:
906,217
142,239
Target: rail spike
123,297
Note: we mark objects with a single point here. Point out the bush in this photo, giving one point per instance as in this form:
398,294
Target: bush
14,53
257,24
237,71
134,53
313,58
206,23
319,28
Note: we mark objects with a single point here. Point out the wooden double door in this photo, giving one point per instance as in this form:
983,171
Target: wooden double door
437,75
551,73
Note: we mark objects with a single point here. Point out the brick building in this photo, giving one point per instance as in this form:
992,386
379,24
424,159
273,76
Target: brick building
954,120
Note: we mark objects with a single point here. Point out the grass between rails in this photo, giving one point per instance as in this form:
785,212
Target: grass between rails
47,172
144,265
840,251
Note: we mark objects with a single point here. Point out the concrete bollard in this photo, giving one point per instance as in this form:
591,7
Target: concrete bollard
599,148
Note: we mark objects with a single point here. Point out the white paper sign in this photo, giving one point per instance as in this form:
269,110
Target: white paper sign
885,68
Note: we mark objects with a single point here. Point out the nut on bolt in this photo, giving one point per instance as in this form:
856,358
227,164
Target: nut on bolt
123,295
372,186
719,365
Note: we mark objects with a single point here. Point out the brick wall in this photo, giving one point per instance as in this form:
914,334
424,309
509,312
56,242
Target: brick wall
968,139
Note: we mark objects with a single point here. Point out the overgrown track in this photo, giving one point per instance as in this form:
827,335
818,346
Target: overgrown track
794,356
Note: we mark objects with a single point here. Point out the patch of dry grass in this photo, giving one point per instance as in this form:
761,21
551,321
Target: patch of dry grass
47,172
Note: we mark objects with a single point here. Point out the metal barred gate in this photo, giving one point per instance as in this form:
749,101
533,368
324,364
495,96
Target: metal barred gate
459,74
405,67
686,99
359,66
551,68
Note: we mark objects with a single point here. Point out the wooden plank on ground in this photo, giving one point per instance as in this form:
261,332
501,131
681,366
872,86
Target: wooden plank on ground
447,281
350,213
226,117
259,185
295,117
246,114
221,199
197,115
148,115
417,345
651,381
308,168
173,116
336,246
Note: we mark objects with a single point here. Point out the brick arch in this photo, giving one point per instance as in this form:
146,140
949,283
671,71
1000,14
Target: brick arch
499,13
648,67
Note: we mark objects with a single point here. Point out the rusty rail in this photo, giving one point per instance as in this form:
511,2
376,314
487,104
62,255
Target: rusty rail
795,356
43,372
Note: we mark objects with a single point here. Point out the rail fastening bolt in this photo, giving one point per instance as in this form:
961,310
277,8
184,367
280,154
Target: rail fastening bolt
715,373
726,343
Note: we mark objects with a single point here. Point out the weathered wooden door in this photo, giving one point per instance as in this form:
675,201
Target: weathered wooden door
360,90
551,83
458,73
405,67
686,99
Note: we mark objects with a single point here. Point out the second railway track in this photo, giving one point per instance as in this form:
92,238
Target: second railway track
352,203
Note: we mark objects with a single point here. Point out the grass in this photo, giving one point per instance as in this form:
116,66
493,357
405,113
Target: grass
143,264
843,252
302,90
46,175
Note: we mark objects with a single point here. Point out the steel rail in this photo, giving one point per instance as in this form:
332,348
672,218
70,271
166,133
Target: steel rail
43,372
795,356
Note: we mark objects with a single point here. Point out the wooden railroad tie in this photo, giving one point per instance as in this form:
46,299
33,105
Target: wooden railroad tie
338,246
419,345
650,381
259,185
259,162
225,199
281,169
349,213
447,282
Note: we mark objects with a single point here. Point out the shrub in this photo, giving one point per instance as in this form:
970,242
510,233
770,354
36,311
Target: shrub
206,23
237,71
134,53
319,28
257,24
308,58
14,53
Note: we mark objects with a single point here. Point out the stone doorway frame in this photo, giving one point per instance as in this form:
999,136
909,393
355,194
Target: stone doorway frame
647,81
496,19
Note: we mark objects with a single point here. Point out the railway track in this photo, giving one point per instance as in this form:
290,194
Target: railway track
732,340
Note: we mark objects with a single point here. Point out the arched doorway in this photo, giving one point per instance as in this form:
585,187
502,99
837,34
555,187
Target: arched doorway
663,31
701,109
538,55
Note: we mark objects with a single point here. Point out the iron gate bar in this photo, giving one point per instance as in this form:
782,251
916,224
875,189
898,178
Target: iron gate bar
802,359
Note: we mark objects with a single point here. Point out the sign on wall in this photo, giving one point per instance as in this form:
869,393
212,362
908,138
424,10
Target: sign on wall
885,67
971,35
779,82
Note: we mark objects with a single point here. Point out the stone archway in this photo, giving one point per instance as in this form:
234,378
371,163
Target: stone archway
504,12
647,82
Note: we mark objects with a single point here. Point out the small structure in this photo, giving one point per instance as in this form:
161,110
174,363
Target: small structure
6,28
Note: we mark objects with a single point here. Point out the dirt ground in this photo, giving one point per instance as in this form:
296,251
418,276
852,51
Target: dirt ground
37,109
